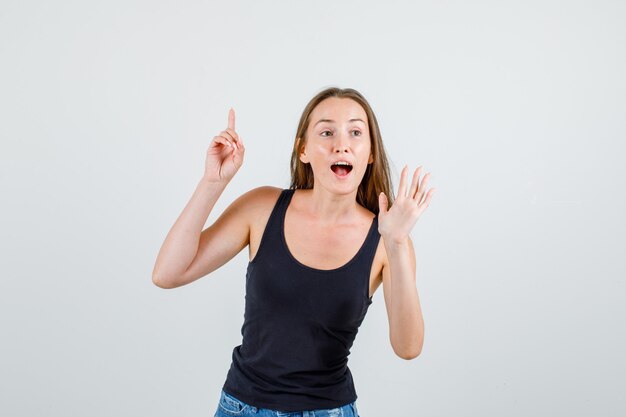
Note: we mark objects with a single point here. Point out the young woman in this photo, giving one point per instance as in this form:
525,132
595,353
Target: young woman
318,251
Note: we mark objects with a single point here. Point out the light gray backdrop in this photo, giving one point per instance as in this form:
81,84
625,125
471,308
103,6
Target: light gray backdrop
517,108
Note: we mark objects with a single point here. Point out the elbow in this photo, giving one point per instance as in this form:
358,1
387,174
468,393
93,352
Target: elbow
164,280
410,350
162,283
408,355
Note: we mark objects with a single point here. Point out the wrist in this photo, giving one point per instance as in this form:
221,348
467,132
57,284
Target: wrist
207,182
394,240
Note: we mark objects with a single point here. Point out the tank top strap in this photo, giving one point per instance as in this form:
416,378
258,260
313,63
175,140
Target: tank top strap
371,242
272,234
364,259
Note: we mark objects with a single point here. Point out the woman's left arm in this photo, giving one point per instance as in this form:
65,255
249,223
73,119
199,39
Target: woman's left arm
406,324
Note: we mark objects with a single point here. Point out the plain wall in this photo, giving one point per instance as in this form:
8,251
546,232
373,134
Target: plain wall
517,108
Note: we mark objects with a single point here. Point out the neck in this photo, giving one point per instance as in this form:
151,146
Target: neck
330,208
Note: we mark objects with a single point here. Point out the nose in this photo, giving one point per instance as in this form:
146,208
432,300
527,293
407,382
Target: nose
341,144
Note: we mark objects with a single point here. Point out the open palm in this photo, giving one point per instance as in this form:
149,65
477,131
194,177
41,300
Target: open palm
395,224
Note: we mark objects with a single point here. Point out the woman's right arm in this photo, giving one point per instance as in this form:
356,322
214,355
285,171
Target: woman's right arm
228,235
181,244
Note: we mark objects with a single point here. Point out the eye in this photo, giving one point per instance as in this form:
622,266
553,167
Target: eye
328,131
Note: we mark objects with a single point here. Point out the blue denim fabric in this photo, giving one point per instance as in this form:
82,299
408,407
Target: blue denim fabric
230,406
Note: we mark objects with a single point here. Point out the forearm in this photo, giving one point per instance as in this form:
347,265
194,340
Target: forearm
181,243
405,315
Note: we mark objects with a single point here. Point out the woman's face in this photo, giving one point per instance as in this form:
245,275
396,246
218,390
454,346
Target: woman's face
338,131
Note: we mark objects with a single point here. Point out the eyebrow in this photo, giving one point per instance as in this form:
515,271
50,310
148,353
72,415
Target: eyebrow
332,121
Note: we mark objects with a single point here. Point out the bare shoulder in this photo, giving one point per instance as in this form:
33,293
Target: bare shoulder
258,204
262,202
252,200
263,191
259,199
268,191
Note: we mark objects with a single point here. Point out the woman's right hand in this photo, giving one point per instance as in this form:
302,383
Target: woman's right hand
225,154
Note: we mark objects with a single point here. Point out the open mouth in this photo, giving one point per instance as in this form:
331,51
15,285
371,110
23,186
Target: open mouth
341,169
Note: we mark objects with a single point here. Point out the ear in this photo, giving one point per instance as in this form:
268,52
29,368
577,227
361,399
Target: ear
371,159
303,157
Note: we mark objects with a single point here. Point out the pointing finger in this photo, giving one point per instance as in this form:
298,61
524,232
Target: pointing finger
231,119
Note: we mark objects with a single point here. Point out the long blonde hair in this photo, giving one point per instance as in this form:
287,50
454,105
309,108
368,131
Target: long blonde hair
377,176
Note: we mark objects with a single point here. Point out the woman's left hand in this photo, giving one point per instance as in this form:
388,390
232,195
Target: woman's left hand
395,224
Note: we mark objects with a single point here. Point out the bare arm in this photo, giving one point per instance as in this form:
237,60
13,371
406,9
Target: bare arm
181,244
406,323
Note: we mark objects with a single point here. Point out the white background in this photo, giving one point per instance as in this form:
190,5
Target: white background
517,108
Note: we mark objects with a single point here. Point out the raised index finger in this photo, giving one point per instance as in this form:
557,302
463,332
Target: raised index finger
231,118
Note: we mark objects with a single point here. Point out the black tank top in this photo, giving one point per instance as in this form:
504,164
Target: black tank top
299,324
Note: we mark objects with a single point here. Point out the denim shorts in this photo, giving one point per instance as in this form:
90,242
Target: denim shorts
230,406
